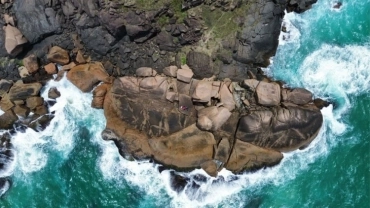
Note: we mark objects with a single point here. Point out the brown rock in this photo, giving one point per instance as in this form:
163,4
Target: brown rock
268,94
20,91
58,55
248,157
31,63
50,68
5,85
7,119
41,110
250,84
97,102
187,148
23,72
184,75
68,66
203,92
217,115
320,103
18,102
99,96
227,98
80,58
33,102
145,72
185,104
5,103
53,93
223,151
170,71
171,96
86,76
21,110
210,167
14,40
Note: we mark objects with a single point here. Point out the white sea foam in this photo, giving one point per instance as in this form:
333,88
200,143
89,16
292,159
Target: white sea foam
291,33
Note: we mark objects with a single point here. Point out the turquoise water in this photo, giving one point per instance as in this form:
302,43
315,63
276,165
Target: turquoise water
328,52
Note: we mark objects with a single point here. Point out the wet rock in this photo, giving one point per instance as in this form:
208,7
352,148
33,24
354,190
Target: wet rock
86,76
21,110
320,103
245,156
210,167
178,183
5,103
50,68
58,55
8,119
300,6
41,122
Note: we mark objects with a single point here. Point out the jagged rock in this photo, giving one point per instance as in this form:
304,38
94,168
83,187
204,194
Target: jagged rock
210,167
297,96
99,95
223,151
5,86
21,110
97,39
40,110
31,63
268,94
7,119
246,156
145,72
14,40
184,75
319,103
53,93
80,58
187,148
86,76
283,129
250,84
299,6
20,91
58,55
68,66
170,71
50,68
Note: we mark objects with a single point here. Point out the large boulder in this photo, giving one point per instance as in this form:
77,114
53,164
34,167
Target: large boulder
283,129
58,55
200,63
20,91
297,96
268,94
14,40
246,156
7,119
35,20
188,148
86,76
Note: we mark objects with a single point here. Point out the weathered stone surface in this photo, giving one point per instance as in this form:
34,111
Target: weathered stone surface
58,55
268,94
14,40
50,68
33,102
5,103
187,148
145,72
23,72
250,84
184,75
227,98
21,110
41,110
53,93
210,167
31,63
223,151
20,91
170,71
200,63
246,156
80,58
86,76
297,96
5,85
217,115
68,67
203,92
99,96
283,129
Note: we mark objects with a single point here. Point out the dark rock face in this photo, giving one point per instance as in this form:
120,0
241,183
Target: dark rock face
300,6
258,40
200,63
36,20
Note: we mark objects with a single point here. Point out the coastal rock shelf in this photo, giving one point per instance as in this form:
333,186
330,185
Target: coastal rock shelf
185,123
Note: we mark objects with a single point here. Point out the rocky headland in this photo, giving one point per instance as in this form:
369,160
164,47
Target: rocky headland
179,81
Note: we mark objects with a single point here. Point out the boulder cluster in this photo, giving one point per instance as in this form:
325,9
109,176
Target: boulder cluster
186,123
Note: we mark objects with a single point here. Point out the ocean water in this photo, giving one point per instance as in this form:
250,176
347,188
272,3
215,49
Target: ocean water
325,50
